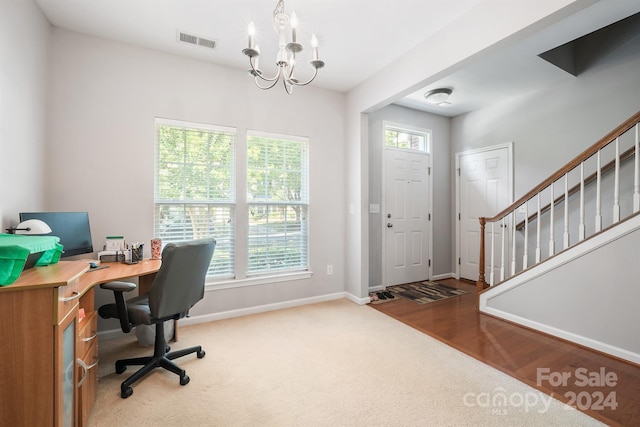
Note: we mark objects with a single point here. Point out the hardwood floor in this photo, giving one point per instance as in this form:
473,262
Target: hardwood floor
532,357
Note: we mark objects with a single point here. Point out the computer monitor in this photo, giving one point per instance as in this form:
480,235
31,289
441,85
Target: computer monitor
71,227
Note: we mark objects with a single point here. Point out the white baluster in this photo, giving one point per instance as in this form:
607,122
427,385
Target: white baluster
581,226
552,243
636,176
502,260
616,185
526,235
491,269
538,233
514,220
566,211
598,197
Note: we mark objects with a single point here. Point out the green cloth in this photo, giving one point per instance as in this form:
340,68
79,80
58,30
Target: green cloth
16,248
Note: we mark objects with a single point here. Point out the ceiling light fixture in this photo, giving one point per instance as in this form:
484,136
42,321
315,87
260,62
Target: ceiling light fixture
285,26
438,96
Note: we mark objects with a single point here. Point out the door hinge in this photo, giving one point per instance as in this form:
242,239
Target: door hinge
429,216
429,263
459,216
429,170
458,171
458,261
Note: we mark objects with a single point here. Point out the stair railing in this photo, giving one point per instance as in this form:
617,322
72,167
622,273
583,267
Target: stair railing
579,185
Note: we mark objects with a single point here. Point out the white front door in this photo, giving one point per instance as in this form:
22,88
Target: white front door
406,216
484,188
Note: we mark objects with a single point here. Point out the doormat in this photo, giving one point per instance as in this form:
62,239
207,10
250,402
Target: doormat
426,292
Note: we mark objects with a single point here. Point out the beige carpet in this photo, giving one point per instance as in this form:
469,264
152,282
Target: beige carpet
327,364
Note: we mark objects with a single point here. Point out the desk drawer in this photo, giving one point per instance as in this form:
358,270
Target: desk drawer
87,332
67,297
88,389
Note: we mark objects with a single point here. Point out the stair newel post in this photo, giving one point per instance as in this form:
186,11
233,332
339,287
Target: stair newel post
514,220
598,194
552,242
481,284
636,174
581,227
502,260
566,211
491,261
538,223
616,185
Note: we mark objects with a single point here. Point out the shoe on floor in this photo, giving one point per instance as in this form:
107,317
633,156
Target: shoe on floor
388,294
381,295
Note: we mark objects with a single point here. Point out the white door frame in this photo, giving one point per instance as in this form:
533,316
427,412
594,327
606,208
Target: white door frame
509,147
383,218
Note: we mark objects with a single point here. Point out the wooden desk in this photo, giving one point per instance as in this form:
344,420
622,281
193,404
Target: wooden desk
145,271
48,353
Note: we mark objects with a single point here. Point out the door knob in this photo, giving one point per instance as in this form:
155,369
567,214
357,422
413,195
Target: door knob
389,225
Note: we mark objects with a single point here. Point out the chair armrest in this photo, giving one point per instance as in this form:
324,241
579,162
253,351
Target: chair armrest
119,286
118,289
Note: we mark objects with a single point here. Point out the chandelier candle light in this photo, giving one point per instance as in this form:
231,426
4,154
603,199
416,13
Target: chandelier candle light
286,58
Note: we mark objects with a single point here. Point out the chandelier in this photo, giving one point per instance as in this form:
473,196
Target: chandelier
286,26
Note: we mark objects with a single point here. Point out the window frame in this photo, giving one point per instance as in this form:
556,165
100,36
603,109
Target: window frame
240,276
303,203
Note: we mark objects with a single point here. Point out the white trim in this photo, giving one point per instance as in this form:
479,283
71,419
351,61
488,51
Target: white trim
444,276
212,317
569,336
510,172
194,125
279,136
217,285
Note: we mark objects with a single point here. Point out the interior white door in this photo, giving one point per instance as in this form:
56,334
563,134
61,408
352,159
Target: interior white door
484,189
406,216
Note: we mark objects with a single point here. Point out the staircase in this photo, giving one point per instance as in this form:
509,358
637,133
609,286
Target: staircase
565,258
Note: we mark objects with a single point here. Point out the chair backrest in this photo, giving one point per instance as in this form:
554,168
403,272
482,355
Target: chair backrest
179,283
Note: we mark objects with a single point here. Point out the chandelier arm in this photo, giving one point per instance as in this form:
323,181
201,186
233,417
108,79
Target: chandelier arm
287,87
274,80
258,74
315,73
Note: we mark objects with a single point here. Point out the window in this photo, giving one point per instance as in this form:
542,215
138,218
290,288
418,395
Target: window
195,188
407,139
277,203
196,196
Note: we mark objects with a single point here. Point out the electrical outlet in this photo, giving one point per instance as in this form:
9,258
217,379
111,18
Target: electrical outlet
329,269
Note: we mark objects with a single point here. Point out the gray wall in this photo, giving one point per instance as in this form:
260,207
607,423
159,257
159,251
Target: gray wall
441,175
551,125
23,108
100,151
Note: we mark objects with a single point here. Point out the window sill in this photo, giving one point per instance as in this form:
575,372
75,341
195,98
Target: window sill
257,280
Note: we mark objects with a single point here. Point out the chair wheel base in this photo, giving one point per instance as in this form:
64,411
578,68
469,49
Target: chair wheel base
120,367
126,392
184,380
200,354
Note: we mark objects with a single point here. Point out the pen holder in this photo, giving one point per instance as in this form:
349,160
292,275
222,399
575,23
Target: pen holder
136,253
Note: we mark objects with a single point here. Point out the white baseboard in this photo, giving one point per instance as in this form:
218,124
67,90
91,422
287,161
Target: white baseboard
444,276
569,336
193,320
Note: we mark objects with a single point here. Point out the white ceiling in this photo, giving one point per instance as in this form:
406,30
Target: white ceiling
356,39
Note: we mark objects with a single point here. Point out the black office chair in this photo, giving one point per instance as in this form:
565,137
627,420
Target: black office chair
178,285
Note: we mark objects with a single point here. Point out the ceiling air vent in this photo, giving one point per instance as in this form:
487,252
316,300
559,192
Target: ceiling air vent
196,40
